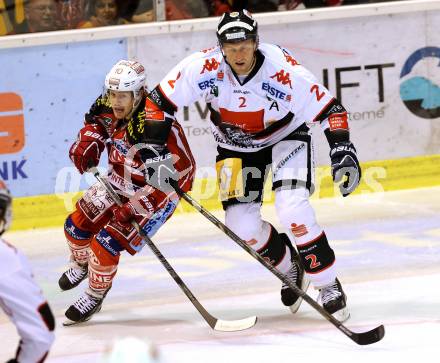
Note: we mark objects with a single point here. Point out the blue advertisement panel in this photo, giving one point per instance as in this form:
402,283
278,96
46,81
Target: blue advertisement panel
44,93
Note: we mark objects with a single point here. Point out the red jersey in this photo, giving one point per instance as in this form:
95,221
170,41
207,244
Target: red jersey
126,169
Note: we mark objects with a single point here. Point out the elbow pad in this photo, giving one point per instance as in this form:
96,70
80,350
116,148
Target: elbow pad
157,124
151,127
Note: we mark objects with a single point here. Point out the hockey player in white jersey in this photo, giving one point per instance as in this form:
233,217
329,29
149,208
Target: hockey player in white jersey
20,297
260,101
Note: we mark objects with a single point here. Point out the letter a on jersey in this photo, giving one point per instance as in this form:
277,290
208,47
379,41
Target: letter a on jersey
274,105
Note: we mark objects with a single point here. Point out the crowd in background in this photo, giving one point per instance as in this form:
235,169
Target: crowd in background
30,16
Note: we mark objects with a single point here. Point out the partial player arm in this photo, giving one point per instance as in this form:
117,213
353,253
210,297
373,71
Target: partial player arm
317,104
90,142
153,139
86,150
344,161
21,299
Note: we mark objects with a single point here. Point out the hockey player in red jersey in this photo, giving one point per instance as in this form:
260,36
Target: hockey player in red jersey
261,101
139,139
21,298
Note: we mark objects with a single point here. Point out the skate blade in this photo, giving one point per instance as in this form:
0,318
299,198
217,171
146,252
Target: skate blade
342,315
69,322
304,286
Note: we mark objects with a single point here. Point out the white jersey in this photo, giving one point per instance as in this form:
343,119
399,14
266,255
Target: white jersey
276,98
21,299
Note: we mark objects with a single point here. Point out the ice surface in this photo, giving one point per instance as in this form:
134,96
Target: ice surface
388,256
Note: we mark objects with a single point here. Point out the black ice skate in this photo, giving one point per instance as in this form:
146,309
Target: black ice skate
83,309
73,276
334,300
297,276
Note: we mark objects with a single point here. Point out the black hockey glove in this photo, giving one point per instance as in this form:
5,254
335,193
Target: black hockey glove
159,168
345,162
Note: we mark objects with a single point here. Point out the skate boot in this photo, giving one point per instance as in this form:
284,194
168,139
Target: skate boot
89,303
297,276
334,300
73,276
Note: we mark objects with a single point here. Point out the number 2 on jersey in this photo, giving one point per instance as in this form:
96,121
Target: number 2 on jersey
313,261
243,102
315,89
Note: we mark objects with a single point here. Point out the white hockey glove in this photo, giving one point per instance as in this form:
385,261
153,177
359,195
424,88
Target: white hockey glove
159,168
344,162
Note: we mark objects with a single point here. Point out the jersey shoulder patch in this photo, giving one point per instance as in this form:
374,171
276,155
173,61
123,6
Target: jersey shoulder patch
279,55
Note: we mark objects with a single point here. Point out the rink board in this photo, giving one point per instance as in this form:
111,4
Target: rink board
378,176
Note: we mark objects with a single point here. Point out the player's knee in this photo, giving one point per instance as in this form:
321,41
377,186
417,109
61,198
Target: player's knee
291,205
105,247
275,251
245,220
74,231
296,214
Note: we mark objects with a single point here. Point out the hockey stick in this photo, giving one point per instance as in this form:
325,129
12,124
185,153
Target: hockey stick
214,323
364,338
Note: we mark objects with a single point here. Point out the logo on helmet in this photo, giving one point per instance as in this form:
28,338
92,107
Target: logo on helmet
114,82
231,36
237,26
138,68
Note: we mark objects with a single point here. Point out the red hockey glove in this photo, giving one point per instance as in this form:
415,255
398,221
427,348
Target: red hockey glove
125,213
133,210
86,150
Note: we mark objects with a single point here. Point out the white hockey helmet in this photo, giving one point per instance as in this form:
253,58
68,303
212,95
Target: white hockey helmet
127,75
5,207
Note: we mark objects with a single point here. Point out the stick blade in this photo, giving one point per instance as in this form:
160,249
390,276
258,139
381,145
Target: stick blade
235,325
369,337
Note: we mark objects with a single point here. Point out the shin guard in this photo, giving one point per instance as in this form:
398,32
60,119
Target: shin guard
103,262
318,260
275,251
